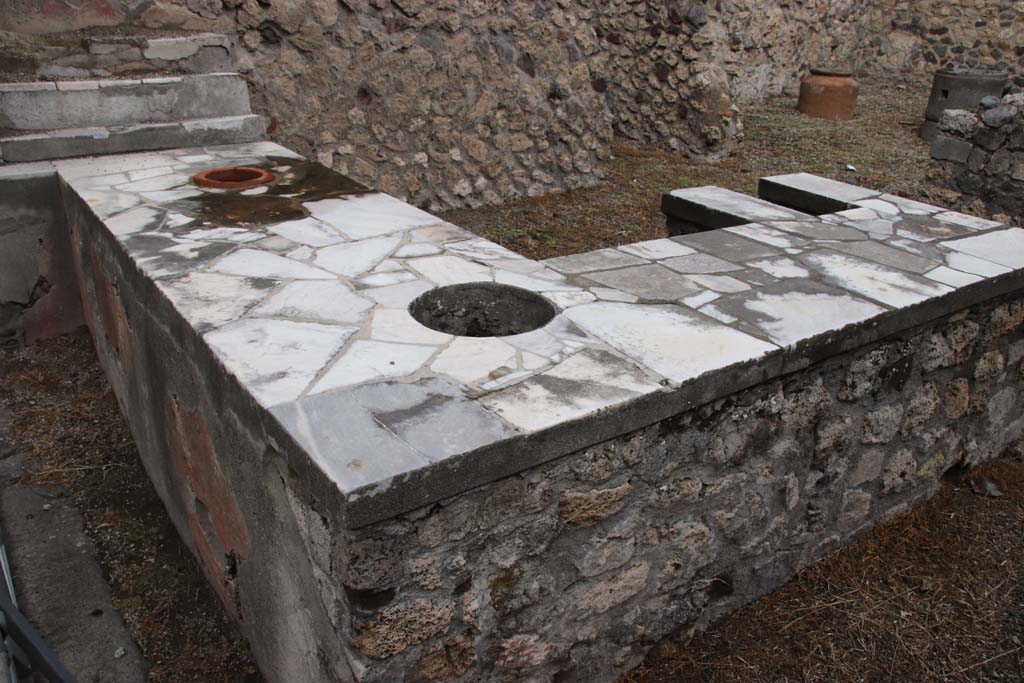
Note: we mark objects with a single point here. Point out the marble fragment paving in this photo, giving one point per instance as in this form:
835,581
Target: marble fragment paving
304,298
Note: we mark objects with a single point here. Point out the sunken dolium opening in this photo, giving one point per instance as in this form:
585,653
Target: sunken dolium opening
233,177
482,309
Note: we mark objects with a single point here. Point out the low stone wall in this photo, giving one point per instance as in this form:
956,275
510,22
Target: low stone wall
929,34
37,296
572,570
984,153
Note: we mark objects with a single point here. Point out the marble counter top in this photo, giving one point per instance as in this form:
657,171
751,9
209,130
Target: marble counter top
301,290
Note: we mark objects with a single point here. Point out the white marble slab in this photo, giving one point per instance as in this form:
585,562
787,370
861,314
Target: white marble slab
276,359
314,300
256,263
1005,247
373,361
369,215
668,339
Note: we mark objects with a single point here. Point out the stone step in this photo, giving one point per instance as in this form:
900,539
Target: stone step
78,142
697,209
85,104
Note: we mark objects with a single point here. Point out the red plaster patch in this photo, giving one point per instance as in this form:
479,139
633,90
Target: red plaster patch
213,567
113,319
194,455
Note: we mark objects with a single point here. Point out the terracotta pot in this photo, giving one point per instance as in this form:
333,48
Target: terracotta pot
233,177
829,95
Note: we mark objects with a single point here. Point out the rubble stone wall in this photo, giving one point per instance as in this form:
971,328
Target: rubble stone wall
983,153
467,102
571,570
930,34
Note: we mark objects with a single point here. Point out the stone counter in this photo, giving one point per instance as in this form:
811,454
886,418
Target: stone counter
376,500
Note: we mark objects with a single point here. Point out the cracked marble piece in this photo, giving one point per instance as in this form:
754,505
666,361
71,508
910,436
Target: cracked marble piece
769,236
910,206
794,311
276,359
239,235
135,220
369,215
652,282
386,279
159,255
372,361
700,263
344,440
581,385
926,228
781,267
533,282
885,255
953,278
208,300
568,299
720,283
354,258
601,259
481,250
872,280
1005,247
609,294
256,263
974,265
972,222
656,249
698,300
395,324
315,300
415,250
308,231
818,230
882,208
471,360
433,415
670,340
397,296
727,245
450,270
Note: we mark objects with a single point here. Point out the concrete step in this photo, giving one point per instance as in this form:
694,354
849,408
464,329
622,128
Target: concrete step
78,142
86,104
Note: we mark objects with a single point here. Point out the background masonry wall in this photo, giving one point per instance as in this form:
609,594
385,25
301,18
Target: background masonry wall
929,34
983,153
470,102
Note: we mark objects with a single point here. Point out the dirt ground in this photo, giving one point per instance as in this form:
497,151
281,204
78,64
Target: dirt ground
59,408
936,595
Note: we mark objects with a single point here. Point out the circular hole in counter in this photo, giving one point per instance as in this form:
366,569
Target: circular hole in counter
233,177
482,309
